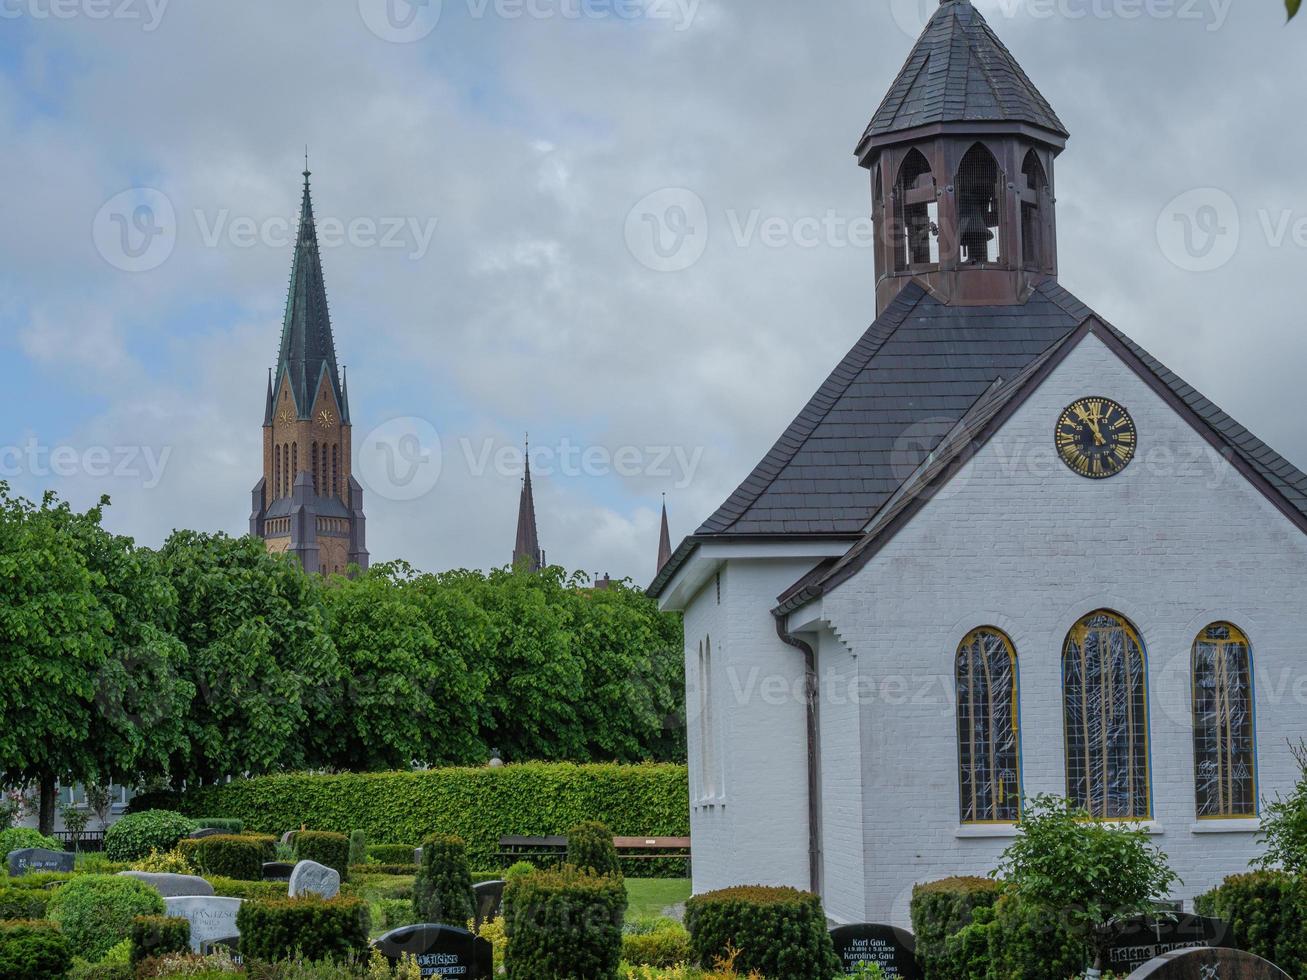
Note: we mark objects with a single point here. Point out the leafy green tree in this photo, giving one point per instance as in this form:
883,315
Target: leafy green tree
1293,6
1085,872
257,651
1284,825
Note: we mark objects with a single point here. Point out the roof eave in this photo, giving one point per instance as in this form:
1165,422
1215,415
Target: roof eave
873,144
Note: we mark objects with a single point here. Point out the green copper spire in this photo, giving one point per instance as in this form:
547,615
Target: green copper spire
308,349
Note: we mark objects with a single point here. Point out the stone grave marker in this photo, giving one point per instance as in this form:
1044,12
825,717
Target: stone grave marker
489,900
890,948
441,951
212,919
311,878
172,886
204,832
277,870
1209,964
30,860
1142,938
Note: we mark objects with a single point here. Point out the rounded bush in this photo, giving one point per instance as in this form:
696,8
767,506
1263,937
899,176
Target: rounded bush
159,935
23,903
779,932
95,912
18,838
226,856
33,951
319,929
590,848
565,923
666,946
137,834
324,847
941,909
1028,943
1267,914
443,889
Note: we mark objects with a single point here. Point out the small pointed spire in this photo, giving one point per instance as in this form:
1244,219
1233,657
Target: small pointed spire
528,539
267,411
664,541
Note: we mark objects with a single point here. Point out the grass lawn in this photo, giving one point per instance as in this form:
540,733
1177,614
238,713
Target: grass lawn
650,896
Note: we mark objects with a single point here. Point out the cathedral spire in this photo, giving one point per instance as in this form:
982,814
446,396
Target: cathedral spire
268,410
528,539
308,349
664,541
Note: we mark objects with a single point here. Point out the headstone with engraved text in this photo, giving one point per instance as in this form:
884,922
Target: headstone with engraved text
892,949
440,951
1209,964
212,919
1138,940
30,860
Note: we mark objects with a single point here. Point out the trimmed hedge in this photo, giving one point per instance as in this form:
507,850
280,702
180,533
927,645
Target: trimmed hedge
23,903
392,854
779,932
1013,941
358,847
1267,914
33,951
666,946
235,888
227,856
564,924
95,912
317,928
229,824
137,834
442,891
590,848
325,847
479,805
942,909
159,935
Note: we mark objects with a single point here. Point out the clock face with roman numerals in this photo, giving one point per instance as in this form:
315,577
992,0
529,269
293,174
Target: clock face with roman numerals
1097,438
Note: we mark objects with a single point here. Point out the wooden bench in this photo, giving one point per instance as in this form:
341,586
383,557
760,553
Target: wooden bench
551,851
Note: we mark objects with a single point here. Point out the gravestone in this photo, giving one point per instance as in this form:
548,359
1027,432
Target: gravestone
1140,939
277,870
30,860
213,920
417,855
489,897
311,878
893,950
1209,964
172,886
288,838
204,832
440,951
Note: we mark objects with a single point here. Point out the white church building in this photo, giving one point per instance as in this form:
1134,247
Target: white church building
1002,552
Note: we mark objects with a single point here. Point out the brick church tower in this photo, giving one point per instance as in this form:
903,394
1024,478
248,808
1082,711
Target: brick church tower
308,502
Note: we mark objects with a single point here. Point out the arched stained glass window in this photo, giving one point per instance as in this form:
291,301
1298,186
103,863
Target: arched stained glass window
1105,687
1225,743
989,742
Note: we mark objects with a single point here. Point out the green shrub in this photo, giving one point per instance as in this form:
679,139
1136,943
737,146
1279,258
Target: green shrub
317,928
137,834
1030,943
325,847
563,924
442,891
230,824
941,909
590,848
18,838
265,841
173,862
520,869
116,965
668,945
235,888
391,853
358,847
780,932
392,870
95,912
159,935
393,913
23,903
967,952
39,881
33,951
480,805
1267,914
226,856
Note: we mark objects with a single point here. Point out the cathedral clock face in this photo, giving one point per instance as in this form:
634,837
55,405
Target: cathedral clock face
326,418
286,417
1097,438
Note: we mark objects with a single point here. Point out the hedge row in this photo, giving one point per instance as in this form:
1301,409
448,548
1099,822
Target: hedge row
1267,913
478,805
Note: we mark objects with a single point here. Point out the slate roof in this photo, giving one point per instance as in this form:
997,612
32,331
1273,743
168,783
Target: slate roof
308,349
960,71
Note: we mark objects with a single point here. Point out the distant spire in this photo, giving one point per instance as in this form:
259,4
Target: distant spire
664,541
267,412
528,539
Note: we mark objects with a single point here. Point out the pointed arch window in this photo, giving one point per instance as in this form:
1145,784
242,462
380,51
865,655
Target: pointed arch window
980,206
1034,194
1225,741
916,215
1105,692
989,743
335,470
276,472
294,464
316,485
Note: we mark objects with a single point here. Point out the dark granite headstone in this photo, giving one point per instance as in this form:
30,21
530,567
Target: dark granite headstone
893,950
30,860
204,832
441,951
1139,940
1209,964
277,870
489,900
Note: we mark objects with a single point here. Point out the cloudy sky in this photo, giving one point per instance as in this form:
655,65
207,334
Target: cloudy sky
495,171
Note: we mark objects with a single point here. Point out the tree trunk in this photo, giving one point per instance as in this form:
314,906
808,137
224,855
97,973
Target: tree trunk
45,819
